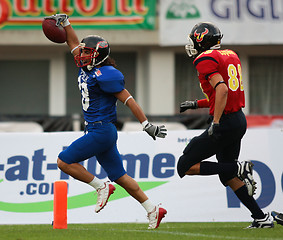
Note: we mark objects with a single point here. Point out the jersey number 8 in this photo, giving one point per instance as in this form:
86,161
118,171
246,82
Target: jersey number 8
234,82
85,95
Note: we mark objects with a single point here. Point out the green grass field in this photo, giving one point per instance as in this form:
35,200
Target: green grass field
132,231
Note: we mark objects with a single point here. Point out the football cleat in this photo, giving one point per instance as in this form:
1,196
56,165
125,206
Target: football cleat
266,222
103,195
155,217
245,173
278,217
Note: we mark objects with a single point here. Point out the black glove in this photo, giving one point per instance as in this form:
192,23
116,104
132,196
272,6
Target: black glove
188,105
213,130
155,131
59,18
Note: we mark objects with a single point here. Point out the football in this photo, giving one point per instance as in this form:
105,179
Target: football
52,32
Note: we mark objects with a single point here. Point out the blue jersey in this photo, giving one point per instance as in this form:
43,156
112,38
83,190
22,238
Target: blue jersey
97,87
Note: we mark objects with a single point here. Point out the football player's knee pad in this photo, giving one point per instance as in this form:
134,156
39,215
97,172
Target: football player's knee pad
183,165
224,178
185,162
180,166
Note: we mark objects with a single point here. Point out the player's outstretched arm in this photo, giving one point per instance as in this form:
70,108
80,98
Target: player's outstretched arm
72,40
154,131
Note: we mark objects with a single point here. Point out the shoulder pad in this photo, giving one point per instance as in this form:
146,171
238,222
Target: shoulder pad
109,79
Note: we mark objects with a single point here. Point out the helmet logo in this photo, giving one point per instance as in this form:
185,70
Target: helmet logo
199,36
102,44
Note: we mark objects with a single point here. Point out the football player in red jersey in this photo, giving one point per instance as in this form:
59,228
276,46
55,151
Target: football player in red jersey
219,73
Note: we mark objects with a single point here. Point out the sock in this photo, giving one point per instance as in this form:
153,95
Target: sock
148,206
96,183
211,168
249,202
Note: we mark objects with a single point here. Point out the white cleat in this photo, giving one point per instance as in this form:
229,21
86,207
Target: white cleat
103,195
155,217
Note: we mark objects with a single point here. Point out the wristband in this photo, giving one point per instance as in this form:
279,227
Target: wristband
144,123
127,100
66,23
75,48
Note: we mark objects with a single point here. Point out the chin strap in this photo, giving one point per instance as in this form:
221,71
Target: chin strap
89,67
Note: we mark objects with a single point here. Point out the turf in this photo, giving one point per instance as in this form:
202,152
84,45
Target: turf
130,231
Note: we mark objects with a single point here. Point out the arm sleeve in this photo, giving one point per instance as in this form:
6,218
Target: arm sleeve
203,103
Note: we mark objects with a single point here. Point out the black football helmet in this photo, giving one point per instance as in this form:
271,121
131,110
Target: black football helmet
204,36
99,51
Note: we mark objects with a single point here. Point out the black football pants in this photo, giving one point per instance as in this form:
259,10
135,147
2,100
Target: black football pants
227,148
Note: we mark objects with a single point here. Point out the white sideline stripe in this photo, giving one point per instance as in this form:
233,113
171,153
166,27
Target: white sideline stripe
197,235
185,234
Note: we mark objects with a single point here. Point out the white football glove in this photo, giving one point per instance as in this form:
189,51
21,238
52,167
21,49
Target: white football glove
60,18
155,131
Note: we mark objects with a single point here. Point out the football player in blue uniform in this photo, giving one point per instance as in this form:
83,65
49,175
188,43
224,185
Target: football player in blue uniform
101,84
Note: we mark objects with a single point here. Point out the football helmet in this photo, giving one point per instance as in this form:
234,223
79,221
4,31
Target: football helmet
98,49
204,36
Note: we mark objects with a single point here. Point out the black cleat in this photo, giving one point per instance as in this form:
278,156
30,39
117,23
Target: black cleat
266,222
245,173
278,217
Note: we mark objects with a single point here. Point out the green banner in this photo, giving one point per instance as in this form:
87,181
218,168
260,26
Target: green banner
99,14
78,201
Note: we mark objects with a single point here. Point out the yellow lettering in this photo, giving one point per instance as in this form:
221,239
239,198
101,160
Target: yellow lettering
227,52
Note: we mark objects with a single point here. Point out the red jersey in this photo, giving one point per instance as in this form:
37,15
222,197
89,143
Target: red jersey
228,65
